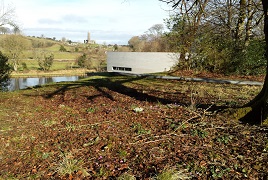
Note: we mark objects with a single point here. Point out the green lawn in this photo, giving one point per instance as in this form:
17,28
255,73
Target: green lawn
57,64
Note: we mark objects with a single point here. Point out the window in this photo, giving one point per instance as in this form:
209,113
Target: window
122,68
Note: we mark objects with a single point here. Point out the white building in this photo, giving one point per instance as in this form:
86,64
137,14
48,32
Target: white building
140,62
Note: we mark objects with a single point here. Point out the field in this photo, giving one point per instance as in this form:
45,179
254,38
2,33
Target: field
63,59
118,127
57,64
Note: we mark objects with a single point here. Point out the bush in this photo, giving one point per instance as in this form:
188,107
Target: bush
5,70
212,53
46,63
62,48
85,61
255,58
218,54
81,60
24,67
248,61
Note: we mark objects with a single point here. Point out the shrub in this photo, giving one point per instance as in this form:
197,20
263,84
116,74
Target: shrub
5,70
255,58
247,61
46,63
81,60
24,66
218,54
62,48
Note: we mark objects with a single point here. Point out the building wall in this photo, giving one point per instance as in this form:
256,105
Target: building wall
140,62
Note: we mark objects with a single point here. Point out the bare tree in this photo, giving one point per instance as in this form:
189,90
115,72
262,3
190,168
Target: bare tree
7,14
189,15
6,21
136,44
13,46
155,32
237,19
153,40
256,111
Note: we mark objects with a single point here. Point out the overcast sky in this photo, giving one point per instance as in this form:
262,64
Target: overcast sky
109,21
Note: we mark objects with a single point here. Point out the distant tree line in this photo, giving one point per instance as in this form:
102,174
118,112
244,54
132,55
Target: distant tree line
152,40
93,57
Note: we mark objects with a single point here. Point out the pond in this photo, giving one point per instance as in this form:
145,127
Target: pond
23,83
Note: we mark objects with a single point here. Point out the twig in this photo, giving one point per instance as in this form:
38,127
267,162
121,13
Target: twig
164,137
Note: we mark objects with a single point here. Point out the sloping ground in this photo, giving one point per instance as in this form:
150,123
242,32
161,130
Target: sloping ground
103,127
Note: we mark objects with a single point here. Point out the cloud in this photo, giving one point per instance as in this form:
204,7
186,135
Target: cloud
48,21
107,20
66,19
100,36
71,18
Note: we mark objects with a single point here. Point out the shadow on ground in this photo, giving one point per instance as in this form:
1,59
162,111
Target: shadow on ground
109,81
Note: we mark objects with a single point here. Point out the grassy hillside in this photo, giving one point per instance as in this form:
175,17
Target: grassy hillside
49,46
63,60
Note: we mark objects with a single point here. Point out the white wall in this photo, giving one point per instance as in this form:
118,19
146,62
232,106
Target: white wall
140,62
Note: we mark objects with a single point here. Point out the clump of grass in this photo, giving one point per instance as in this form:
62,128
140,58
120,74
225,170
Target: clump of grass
139,129
173,174
70,127
126,176
91,110
48,123
69,165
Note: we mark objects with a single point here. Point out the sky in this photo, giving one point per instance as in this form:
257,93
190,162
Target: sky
108,21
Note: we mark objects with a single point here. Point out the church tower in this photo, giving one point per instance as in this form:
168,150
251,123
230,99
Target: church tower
88,37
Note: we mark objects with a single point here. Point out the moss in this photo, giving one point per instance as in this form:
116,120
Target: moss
241,112
249,115
265,122
236,114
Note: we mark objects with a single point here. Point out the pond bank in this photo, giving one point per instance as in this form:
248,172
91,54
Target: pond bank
36,73
28,82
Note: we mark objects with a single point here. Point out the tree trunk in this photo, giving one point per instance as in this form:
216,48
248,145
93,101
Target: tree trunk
241,21
230,15
256,111
249,22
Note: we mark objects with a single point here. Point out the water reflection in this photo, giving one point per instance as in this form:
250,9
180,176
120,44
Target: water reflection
23,83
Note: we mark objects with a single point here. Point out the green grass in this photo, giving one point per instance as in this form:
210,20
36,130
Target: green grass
62,60
28,54
57,64
69,165
50,46
173,174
